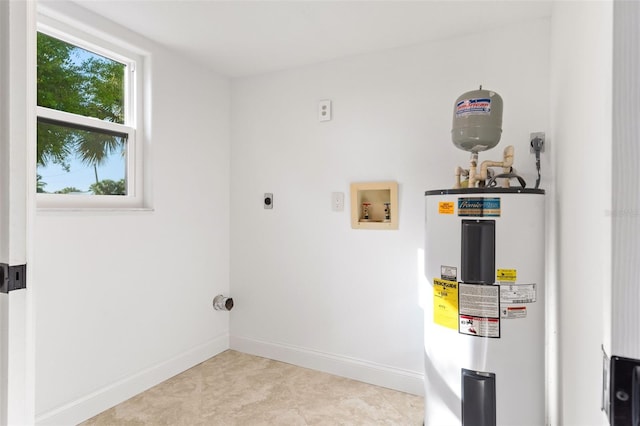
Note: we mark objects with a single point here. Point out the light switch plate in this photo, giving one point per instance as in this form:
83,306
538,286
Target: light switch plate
337,201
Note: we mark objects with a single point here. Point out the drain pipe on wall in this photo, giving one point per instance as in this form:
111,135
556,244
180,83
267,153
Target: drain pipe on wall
221,303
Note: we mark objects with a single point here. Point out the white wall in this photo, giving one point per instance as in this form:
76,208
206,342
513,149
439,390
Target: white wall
581,122
311,290
625,321
123,299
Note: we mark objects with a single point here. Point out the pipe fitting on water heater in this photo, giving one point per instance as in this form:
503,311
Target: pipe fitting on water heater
222,303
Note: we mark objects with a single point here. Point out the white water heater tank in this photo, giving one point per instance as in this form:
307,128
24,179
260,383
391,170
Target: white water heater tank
485,307
477,120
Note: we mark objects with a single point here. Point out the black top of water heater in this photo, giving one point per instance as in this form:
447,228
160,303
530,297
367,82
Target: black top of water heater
484,190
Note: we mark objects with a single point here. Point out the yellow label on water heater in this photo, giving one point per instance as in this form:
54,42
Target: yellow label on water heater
445,303
506,275
446,207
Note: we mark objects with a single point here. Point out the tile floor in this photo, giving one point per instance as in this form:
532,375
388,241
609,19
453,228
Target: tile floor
239,389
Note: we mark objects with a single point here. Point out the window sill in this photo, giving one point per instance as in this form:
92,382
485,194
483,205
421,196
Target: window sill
94,210
104,203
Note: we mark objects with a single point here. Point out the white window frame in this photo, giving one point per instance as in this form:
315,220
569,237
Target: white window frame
132,126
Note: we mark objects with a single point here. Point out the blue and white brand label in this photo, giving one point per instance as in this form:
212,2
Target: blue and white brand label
479,207
477,106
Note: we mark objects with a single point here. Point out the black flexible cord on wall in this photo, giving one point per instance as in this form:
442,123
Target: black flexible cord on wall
537,143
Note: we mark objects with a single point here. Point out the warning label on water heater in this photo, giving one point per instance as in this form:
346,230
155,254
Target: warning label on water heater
512,312
476,106
446,207
506,275
479,300
479,326
479,310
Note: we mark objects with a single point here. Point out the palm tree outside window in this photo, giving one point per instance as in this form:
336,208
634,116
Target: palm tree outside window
84,124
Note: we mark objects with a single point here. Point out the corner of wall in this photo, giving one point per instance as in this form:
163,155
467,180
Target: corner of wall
365,371
102,399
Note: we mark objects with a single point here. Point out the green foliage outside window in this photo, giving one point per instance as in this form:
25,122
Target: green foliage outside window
73,80
109,187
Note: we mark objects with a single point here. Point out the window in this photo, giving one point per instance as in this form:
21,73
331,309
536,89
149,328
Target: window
88,141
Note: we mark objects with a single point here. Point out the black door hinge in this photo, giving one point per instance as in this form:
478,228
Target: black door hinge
12,277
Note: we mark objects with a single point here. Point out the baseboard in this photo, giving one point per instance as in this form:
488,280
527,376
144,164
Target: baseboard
115,393
364,371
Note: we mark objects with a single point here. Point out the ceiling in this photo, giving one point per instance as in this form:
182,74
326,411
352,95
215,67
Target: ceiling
239,38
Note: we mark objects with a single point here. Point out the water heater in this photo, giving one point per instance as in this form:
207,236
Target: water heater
484,320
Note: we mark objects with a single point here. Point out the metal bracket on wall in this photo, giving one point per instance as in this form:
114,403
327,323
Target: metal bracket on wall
12,277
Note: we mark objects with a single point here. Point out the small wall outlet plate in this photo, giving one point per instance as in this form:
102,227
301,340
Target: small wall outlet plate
268,200
337,201
324,110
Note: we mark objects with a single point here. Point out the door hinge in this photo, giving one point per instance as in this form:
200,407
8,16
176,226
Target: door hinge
12,277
